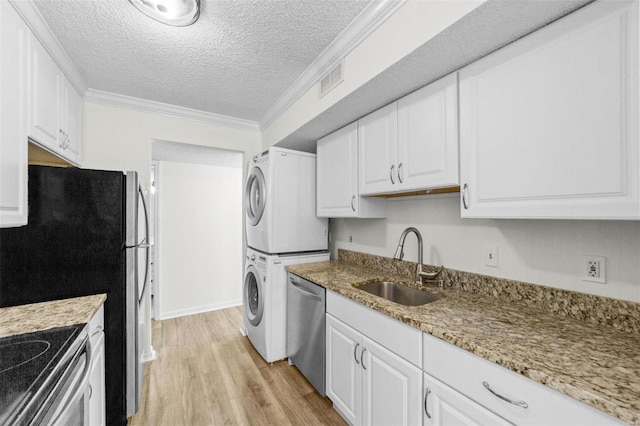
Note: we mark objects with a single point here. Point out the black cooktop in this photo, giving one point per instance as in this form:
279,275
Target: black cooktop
30,366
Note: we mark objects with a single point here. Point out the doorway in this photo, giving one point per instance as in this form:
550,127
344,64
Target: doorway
196,196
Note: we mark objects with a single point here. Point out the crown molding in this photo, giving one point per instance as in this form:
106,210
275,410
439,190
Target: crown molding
371,17
144,105
34,20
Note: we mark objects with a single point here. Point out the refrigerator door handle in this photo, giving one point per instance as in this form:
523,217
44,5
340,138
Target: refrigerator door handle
139,246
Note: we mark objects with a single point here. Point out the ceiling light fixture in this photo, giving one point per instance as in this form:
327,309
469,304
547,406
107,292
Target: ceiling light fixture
178,13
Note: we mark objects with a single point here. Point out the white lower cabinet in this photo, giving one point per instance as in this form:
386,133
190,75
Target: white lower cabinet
391,387
444,406
370,384
465,389
97,413
344,371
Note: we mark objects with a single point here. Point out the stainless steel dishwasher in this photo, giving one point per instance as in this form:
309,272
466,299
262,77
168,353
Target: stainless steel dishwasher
305,329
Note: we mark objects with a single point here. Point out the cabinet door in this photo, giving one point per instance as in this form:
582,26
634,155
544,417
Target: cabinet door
72,124
428,136
46,97
377,151
391,388
443,406
338,173
97,383
549,124
13,114
344,374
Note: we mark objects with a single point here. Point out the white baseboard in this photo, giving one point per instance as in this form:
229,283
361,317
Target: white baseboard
198,309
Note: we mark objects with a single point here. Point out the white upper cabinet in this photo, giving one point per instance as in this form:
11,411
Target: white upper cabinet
55,112
411,144
549,124
337,168
45,82
378,150
428,137
72,122
13,118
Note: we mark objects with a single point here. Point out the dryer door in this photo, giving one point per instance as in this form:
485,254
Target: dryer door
253,296
255,196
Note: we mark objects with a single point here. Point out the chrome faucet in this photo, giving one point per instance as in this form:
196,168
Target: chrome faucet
420,274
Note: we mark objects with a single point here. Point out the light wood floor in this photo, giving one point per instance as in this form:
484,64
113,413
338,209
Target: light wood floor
207,373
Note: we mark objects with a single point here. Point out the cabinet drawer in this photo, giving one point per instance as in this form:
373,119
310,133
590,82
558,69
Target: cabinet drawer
467,373
396,336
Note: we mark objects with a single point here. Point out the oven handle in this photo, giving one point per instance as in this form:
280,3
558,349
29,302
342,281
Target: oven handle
81,384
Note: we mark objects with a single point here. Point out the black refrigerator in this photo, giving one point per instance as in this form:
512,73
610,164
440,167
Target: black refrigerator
87,233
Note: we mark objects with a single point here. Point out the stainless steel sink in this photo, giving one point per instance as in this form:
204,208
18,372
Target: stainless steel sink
399,293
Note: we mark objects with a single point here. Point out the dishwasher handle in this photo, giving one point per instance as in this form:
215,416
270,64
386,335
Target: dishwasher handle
306,293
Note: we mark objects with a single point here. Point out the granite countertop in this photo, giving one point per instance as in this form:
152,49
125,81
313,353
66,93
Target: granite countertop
593,363
46,315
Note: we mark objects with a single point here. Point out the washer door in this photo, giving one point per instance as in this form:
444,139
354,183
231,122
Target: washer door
253,296
255,196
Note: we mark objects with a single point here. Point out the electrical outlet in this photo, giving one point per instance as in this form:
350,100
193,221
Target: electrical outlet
491,256
594,269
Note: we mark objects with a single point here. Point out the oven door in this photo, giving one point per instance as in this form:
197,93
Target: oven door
70,405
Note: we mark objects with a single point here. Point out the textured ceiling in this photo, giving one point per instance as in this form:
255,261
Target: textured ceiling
236,60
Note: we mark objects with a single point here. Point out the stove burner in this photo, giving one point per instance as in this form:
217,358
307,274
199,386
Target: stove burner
17,354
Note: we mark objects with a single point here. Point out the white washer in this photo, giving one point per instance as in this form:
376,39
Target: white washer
280,203
265,300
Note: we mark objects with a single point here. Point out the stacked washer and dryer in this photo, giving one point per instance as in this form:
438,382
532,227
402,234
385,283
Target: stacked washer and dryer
282,229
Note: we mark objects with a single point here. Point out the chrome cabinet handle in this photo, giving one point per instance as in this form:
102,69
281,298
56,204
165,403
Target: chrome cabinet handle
61,144
353,199
426,398
522,404
393,166
354,353
400,172
361,359
465,188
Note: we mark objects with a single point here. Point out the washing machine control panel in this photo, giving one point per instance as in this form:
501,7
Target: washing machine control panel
259,261
260,158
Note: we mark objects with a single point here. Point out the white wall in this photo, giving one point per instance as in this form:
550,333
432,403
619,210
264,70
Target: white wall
200,238
545,252
412,25
117,138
